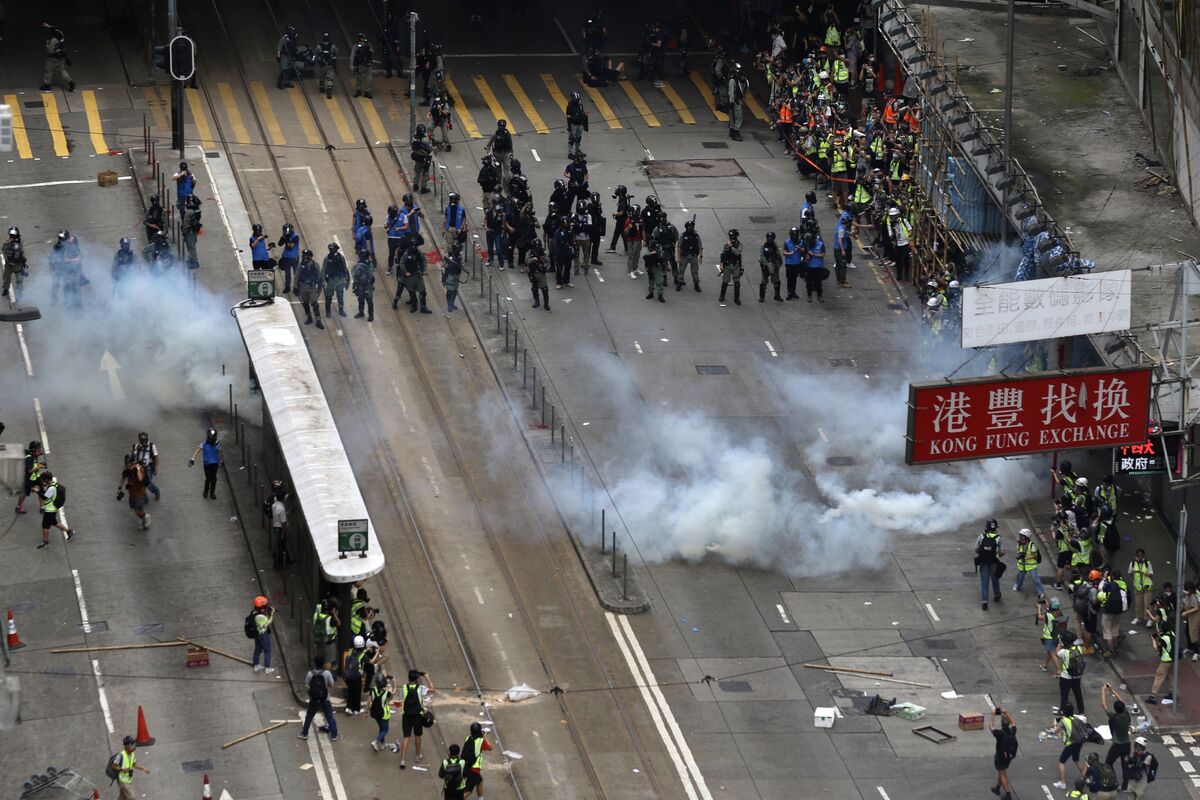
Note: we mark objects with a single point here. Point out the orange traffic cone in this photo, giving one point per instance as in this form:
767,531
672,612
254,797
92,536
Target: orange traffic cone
14,641
207,790
144,739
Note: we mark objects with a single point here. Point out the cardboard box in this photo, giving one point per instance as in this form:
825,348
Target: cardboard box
909,711
824,717
106,178
970,721
197,657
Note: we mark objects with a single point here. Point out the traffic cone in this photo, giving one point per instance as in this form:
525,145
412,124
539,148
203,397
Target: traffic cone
207,790
144,739
14,641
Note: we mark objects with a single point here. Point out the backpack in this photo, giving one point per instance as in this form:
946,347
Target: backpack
377,705
1112,538
318,690
989,551
250,628
1151,768
351,669
1080,601
112,769
1075,664
1108,778
1083,732
1008,744
412,698
451,772
60,495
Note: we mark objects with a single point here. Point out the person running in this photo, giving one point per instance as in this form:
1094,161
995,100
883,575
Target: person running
412,722
1028,558
51,496
1072,741
1006,749
135,480
473,749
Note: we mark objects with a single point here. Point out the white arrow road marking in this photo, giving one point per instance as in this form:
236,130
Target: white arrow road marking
109,364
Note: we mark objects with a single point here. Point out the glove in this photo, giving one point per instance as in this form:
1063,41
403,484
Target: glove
120,495
191,462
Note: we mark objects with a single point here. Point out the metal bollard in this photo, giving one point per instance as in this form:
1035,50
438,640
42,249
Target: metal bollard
603,513
572,455
515,334
624,576
562,435
235,422
505,332
230,396
553,422
533,402
491,293
498,315
543,397
525,368
614,554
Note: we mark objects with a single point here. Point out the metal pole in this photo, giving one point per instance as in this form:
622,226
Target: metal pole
412,72
516,334
1180,562
524,367
1184,367
624,576
553,422
562,436
603,513
231,401
171,19
614,554
1008,98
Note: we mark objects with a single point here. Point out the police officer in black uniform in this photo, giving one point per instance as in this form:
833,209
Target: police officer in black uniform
769,261
576,174
16,267
595,210
501,146
667,236
623,198
577,122
691,251
122,265
308,286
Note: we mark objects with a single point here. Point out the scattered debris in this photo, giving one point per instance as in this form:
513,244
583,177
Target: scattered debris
933,734
522,692
258,732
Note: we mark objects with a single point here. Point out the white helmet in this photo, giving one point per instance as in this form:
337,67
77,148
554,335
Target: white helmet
933,302
1081,481
360,641
954,284
1028,534
823,76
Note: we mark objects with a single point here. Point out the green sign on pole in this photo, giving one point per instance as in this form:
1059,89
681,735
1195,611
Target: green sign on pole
352,537
260,284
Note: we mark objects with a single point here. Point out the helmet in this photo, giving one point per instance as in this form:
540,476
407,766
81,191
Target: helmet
192,201
560,184
905,177
256,229
552,208
953,285
288,229
893,212
183,166
291,30
689,225
635,210
260,602
129,741
501,124
652,200
991,525
154,199
810,197
1081,481
14,233
576,95
846,216
476,729
63,235
333,247
453,198
794,232
733,234
393,210
579,155
360,642
620,190
1055,603
931,284
325,39
595,196
581,207
1025,533
824,75
306,254
537,246
124,243
408,199
514,166
770,236
361,37
1094,575
421,129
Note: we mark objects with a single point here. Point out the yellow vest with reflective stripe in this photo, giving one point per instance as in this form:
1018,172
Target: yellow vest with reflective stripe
1142,582
1027,557
50,506
1168,647
126,773
833,37
1048,627
837,159
861,195
841,73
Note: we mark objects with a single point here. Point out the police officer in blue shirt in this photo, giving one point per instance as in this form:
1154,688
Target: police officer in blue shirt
576,174
290,257
793,261
843,247
394,227
412,217
815,272
364,239
455,225
260,255
185,186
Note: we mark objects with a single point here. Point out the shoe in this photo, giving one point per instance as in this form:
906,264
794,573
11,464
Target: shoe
1058,586
996,790
358,94
341,312
1059,785
1042,667
996,599
145,524
597,263
375,745
322,729
335,738
368,95
697,287
359,315
268,670
44,546
660,299
71,86
633,275
985,606
45,87
157,496
258,667
1151,701
320,325
309,320
302,736
71,531
19,510
1149,623
402,764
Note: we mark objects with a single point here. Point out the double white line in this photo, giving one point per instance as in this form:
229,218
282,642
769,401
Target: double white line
660,711
318,745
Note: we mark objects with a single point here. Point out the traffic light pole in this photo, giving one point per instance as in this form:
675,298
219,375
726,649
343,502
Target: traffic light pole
177,116
412,73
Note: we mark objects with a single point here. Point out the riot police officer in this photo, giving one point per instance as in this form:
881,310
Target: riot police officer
413,275
289,258
162,255
439,117
719,73
16,267
595,210
260,255
577,122
667,236
57,260
335,275
731,268
57,60
363,285
154,221
190,226
656,270
452,275
360,62
71,270
287,54
122,265
501,146
518,186
537,275
422,156
769,261
691,252
326,64
308,286
623,198
394,227
391,48
563,247
738,86
576,174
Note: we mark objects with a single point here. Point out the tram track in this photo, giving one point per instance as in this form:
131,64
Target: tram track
353,370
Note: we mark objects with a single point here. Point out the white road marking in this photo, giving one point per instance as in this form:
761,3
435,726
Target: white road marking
655,712
58,183
479,596
334,774
563,31
599,277
316,188
1046,791
314,755
932,613
1187,738
378,348
649,155
536,157
83,612
1168,740
824,438
1177,752
432,480
882,793
771,347
1186,766
637,346
24,350
783,613
41,422
221,208
104,709
1195,751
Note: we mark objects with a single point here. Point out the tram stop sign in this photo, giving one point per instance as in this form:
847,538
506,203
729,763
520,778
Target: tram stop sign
260,284
352,537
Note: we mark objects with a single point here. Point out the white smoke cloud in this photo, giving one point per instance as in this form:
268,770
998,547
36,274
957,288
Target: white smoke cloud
688,486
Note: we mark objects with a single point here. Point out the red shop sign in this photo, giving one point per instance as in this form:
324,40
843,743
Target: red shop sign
997,416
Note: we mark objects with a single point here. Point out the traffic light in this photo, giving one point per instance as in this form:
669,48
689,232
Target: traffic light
162,57
183,58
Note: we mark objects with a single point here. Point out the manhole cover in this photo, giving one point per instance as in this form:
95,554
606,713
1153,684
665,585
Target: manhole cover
35,103
734,686
763,220
204,765
896,306
712,369
707,168
941,644
23,607
212,154
146,630
94,627
842,362
840,461
715,145
61,671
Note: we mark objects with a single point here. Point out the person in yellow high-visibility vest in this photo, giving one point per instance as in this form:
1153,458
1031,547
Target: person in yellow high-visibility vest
127,764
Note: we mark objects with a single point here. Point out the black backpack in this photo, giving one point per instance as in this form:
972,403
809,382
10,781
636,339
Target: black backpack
1151,768
250,628
377,704
318,690
989,549
1112,538
412,698
1008,743
451,772
1075,664
60,495
112,770
1108,778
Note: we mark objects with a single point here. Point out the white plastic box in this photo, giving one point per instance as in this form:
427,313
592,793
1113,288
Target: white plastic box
823,717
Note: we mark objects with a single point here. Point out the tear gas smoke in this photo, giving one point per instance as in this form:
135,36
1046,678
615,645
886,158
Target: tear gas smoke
169,338
691,487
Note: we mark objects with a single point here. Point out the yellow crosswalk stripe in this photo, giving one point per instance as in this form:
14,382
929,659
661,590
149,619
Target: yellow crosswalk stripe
639,103
460,108
706,93
302,114
262,102
19,135
493,104
240,134
685,115
95,126
202,126
373,121
602,104
156,109
526,104
339,120
552,87
755,108
54,123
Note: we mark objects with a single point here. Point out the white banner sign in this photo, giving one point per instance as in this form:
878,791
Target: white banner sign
1002,313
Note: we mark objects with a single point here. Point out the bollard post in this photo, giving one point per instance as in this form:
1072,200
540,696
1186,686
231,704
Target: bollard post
543,396
534,401
505,333
515,334
553,422
235,422
230,399
562,435
582,494
524,367
498,315
491,293
624,576
614,554
603,513
572,455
